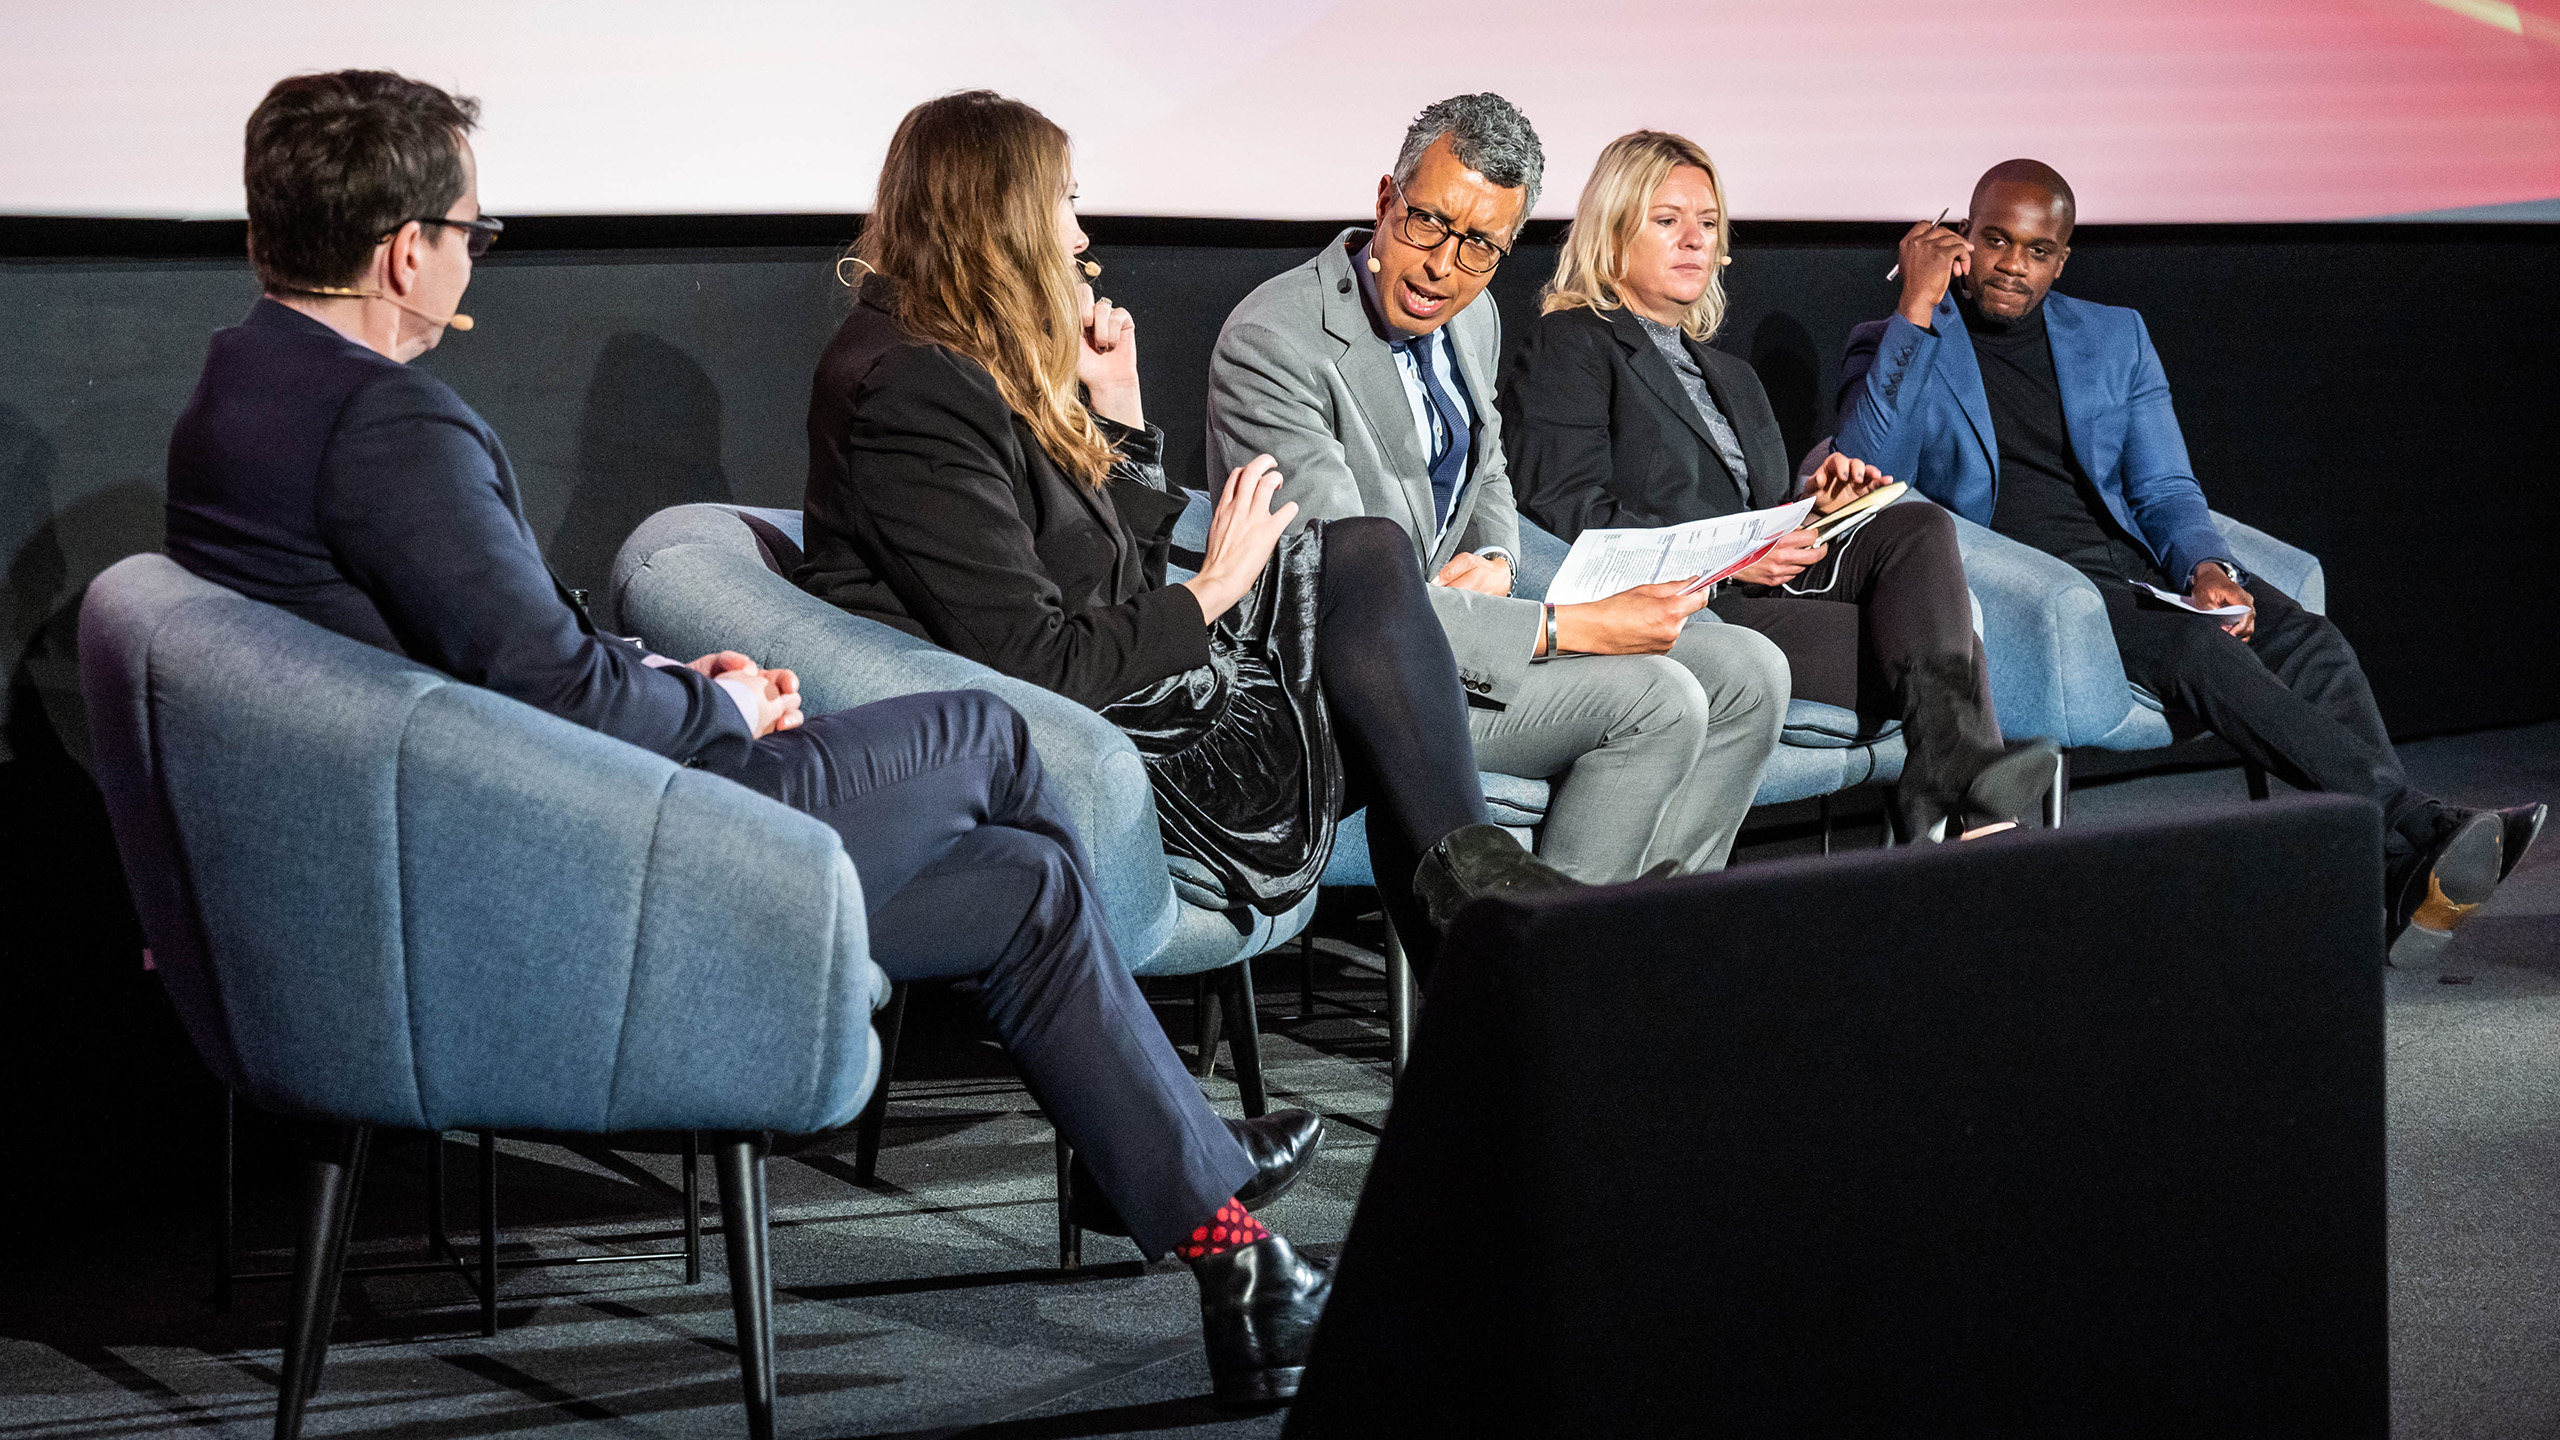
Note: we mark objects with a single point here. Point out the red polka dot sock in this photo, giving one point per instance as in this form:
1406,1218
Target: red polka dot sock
1229,1229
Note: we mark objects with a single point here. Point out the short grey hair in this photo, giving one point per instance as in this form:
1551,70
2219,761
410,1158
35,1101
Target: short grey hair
1489,135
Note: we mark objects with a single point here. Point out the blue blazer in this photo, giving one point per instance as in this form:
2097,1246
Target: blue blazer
363,495
1912,405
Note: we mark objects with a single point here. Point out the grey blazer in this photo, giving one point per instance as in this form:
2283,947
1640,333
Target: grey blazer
1300,375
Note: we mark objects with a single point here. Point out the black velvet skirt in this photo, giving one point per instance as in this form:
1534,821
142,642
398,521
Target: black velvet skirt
1240,750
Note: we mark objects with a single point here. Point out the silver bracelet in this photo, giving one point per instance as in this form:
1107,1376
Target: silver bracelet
1553,648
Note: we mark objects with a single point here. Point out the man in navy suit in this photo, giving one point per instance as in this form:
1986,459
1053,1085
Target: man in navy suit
316,470
2048,419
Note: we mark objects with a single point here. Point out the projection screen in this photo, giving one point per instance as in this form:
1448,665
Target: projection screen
2161,110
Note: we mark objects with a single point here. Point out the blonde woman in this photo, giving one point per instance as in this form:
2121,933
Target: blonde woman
1616,412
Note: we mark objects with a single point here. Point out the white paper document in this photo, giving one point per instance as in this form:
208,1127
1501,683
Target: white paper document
2172,597
1605,562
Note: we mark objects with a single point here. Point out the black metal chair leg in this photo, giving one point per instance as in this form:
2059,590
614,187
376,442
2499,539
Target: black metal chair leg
317,1266
2256,776
489,1233
2057,801
692,1207
437,1245
1399,1006
1307,974
741,1163
225,1261
346,1231
1826,824
1070,1234
866,1135
1244,1034
1204,1014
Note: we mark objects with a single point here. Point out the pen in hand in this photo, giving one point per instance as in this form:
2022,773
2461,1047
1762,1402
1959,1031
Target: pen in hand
1896,272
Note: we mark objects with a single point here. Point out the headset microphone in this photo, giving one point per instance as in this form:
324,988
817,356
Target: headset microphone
457,319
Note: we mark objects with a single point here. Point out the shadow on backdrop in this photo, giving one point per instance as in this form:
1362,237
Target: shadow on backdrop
649,438
1790,369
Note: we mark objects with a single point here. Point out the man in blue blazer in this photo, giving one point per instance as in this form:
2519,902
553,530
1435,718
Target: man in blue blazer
2048,420
316,470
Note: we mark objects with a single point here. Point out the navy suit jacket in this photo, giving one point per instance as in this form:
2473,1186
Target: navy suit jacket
1912,405
361,494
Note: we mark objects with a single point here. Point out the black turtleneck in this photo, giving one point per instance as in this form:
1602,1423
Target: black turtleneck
2044,498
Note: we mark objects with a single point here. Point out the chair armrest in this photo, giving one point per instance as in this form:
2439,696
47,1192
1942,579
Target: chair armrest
2289,568
709,591
1541,555
2054,667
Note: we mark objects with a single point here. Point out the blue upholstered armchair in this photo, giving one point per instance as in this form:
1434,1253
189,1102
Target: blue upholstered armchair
2054,667
698,578
380,897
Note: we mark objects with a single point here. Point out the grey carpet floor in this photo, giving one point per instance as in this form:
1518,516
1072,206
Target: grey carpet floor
930,1304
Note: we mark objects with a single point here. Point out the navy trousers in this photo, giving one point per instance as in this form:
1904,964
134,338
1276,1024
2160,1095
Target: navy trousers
970,870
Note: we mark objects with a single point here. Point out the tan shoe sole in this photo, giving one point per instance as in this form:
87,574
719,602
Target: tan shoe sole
2439,912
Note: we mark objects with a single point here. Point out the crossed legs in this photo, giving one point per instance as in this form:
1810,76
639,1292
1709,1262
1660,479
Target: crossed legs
971,870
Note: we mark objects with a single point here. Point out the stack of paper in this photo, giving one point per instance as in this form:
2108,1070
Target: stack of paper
1606,562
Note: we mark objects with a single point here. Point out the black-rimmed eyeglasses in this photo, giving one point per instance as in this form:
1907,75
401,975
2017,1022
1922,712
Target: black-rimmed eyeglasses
1425,231
484,231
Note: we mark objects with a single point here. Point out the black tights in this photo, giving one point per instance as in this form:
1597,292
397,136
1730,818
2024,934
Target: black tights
1399,713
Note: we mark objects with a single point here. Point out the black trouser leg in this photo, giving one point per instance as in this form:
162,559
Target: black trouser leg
970,869
319,1263
2312,657
1890,599
744,1225
2293,700
1391,685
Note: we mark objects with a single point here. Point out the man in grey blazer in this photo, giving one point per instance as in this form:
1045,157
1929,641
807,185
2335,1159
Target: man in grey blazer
1368,374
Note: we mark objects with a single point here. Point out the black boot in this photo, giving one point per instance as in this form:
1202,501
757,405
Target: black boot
1282,1144
1475,860
1957,773
1259,1304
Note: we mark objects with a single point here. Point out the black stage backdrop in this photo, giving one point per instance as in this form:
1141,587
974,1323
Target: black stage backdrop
2382,394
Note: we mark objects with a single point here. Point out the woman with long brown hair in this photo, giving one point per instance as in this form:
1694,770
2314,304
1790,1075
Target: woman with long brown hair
982,474
1616,412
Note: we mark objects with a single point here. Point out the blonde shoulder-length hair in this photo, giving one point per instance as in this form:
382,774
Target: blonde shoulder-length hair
966,225
1593,259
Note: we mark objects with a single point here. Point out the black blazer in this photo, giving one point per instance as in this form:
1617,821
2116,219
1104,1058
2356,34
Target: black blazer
1601,434
931,507
361,494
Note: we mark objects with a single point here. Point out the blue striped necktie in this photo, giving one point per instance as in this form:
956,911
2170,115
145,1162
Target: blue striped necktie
1449,454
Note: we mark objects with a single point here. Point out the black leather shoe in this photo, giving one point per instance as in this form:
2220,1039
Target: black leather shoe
1259,1304
2522,824
2007,793
1475,860
1281,1143
2433,892
2013,787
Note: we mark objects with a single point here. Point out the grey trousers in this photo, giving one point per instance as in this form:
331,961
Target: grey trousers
1648,757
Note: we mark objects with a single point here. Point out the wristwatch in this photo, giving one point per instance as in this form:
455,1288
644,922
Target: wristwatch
2231,568
1496,552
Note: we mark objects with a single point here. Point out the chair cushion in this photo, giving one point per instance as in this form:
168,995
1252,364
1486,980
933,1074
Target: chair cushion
1817,726
1514,799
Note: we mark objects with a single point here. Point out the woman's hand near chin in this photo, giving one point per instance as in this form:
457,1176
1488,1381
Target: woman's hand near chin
1107,359
1243,531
